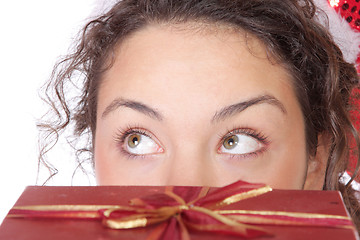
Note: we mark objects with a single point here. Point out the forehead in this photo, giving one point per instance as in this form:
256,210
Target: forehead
183,62
175,40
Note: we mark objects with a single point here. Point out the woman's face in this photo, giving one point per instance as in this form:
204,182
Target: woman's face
197,107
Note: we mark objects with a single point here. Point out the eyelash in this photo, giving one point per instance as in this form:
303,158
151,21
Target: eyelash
122,134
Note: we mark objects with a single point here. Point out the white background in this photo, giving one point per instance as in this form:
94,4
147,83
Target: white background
33,34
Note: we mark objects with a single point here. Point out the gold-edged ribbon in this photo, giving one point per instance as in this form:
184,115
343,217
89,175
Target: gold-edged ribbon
174,216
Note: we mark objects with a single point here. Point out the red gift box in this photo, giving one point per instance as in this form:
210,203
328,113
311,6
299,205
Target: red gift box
279,214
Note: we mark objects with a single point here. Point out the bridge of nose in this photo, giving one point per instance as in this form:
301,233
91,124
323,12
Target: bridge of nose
190,168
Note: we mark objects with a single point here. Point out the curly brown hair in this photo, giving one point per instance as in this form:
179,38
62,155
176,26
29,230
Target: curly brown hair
323,80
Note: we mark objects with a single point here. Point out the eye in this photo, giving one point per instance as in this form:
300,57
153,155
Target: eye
241,143
140,144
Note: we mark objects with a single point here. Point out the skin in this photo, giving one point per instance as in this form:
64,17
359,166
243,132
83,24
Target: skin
175,83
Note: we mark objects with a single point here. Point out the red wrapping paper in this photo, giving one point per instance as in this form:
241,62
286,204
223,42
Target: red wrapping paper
321,202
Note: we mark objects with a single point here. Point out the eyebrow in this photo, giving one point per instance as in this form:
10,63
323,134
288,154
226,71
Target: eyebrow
231,110
137,106
224,113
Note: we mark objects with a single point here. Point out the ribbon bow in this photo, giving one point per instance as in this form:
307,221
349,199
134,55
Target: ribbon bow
178,215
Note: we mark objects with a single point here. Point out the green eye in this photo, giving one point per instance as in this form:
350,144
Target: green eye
137,143
231,142
134,140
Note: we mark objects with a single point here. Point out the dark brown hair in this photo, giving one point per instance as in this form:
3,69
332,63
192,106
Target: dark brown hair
323,80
